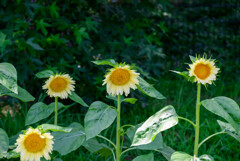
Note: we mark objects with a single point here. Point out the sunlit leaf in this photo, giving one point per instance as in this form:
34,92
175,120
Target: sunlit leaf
8,77
181,156
225,108
4,143
160,121
51,127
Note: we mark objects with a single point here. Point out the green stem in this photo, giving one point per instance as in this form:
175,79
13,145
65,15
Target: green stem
197,120
209,137
118,150
128,150
56,111
107,140
183,118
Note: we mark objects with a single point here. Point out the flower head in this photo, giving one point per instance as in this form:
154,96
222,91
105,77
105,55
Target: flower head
34,144
204,70
120,79
59,85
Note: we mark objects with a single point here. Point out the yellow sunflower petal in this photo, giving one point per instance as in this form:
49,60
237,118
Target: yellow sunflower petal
59,86
33,145
204,71
120,79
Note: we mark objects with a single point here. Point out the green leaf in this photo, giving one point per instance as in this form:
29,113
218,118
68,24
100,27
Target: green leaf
44,74
147,157
225,108
40,111
67,142
23,95
185,74
80,34
206,157
148,89
13,154
41,25
3,42
226,127
8,77
4,143
77,99
181,156
110,62
193,59
34,45
166,151
54,10
47,127
160,121
157,143
130,100
99,117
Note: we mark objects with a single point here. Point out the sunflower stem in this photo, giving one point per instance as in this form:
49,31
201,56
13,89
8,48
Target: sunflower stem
198,104
56,111
118,150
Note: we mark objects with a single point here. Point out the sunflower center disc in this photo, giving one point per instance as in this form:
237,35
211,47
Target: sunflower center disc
202,71
58,84
34,143
120,76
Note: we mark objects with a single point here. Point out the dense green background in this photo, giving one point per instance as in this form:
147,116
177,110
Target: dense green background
155,35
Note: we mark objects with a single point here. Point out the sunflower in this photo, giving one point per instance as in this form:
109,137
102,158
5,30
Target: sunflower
33,145
120,79
59,85
204,70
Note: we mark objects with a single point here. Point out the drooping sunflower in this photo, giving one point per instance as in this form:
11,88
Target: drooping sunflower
120,79
59,85
204,70
34,144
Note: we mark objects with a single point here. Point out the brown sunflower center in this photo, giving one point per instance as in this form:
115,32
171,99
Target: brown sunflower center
120,76
202,71
34,143
58,84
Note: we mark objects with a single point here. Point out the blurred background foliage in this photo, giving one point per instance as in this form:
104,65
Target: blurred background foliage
155,35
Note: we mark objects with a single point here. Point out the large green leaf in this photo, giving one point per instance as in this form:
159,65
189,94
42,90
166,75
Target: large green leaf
8,77
147,157
44,74
225,108
160,121
40,111
226,127
157,143
4,143
148,89
94,146
166,151
67,142
23,95
77,99
206,157
181,156
47,127
110,62
99,117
